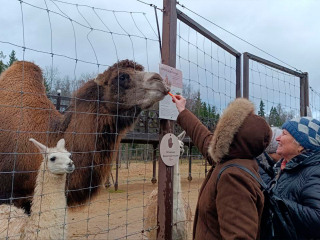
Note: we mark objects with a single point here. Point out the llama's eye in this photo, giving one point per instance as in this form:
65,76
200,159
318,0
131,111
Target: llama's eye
122,77
52,159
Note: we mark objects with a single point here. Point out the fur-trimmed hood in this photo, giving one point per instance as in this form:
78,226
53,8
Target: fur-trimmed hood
239,133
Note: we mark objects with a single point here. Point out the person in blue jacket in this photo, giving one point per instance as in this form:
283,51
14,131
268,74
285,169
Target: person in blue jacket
297,174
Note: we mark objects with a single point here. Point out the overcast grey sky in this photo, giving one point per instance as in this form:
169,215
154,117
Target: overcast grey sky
289,30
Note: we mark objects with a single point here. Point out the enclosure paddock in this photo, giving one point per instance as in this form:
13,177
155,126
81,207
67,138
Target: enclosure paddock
117,203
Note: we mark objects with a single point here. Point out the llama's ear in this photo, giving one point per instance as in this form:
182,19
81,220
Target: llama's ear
40,146
100,80
181,135
61,143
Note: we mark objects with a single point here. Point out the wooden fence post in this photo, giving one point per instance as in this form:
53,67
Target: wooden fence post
245,75
165,173
304,94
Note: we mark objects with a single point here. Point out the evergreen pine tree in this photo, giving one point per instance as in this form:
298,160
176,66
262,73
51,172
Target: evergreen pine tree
48,88
12,58
196,108
274,117
2,65
261,109
271,117
278,122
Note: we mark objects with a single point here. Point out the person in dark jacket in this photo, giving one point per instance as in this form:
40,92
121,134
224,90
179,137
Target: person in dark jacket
298,174
232,207
269,157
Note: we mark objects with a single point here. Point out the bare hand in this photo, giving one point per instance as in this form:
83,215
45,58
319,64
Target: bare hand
180,102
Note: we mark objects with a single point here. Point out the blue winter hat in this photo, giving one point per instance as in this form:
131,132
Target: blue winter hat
306,131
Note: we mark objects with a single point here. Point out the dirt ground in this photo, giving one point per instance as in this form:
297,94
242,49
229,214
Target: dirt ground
119,215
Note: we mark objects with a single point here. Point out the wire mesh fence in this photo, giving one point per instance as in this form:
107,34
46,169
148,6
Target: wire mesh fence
210,84
275,94
314,102
275,90
79,42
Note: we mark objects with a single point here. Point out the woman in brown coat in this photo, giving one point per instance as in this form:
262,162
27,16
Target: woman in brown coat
231,208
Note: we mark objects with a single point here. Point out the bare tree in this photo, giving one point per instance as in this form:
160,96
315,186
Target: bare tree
51,76
83,78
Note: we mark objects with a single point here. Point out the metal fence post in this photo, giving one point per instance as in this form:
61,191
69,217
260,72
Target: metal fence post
165,189
154,164
245,78
58,101
238,77
304,94
116,184
190,163
146,122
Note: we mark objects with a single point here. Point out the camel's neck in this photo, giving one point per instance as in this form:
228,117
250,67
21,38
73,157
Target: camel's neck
93,130
91,112
48,207
88,115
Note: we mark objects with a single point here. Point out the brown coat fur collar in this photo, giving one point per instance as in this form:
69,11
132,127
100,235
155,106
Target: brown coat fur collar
228,125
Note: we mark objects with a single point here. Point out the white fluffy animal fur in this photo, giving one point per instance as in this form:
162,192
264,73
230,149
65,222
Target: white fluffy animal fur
182,215
48,207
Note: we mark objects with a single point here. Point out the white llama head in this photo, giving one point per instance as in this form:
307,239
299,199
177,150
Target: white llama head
180,138
57,159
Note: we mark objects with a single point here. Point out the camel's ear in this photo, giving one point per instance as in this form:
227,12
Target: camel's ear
181,135
61,143
40,146
100,80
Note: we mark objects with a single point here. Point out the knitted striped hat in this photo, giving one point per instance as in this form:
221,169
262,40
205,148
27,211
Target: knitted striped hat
306,131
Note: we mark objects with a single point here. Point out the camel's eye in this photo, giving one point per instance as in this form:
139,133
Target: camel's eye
122,77
122,81
52,159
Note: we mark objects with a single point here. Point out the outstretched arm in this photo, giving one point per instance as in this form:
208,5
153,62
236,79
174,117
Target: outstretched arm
199,133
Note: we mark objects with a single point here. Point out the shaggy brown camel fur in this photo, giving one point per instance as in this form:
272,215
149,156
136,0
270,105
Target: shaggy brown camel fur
101,112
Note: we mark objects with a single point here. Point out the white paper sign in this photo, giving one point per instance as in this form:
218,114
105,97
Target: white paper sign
167,109
170,149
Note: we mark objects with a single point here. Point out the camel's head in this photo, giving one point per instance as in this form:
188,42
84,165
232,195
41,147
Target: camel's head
57,159
128,85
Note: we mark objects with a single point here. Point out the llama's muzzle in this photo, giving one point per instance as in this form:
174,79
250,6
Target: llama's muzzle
70,167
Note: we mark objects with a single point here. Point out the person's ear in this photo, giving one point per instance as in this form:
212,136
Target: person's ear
300,149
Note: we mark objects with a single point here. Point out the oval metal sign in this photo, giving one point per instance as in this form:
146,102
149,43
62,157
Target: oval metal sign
170,149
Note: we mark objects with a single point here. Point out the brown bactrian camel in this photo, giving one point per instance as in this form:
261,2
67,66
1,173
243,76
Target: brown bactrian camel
100,114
